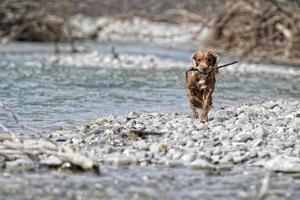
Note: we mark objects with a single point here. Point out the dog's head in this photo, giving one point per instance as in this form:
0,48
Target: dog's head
205,61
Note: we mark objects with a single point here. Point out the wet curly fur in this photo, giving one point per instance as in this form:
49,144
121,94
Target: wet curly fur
200,82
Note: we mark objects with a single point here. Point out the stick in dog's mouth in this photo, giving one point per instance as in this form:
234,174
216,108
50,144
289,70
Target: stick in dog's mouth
218,67
232,63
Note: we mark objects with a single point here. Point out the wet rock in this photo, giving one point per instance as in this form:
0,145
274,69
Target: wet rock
119,161
238,159
264,154
218,129
188,157
252,154
201,164
283,163
76,141
177,155
172,163
109,132
154,148
158,147
51,161
140,155
225,135
132,115
215,159
85,128
95,131
122,119
182,142
190,144
244,137
216,151
289,145
141,145
258,142
226,159
261,132
19,165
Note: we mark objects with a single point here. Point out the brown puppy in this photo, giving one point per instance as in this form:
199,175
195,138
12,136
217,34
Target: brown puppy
201,79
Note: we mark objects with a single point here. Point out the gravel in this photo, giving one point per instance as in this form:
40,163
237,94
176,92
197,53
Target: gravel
264,134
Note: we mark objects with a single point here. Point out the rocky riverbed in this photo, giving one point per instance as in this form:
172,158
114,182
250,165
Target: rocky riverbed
151,155
264,134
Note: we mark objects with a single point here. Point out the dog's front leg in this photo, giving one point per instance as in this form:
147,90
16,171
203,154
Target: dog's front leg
194,113
206,105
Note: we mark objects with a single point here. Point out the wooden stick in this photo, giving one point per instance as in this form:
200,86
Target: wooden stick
221,66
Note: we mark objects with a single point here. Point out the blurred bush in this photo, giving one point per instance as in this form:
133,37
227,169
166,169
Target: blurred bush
40,20
33,20
258,30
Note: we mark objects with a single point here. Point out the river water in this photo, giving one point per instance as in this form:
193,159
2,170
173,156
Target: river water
48,96
149,183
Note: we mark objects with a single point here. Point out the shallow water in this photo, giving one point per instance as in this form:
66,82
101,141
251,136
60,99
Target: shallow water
150,183
49,96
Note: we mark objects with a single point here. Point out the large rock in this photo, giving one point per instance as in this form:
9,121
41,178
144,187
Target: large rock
283,163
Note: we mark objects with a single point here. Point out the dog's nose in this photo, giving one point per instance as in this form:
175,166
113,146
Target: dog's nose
205,68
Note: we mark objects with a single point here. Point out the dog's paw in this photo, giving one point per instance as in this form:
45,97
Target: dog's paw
204,119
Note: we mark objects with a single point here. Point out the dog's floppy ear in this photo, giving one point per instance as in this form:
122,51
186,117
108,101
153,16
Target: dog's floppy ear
194,59
194,56
216,59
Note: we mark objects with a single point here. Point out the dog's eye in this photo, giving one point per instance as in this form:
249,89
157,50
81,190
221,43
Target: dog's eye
199,60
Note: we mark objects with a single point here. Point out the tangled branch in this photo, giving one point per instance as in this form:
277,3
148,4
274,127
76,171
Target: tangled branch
258,30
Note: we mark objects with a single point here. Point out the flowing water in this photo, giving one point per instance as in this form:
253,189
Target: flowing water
149,183
50,96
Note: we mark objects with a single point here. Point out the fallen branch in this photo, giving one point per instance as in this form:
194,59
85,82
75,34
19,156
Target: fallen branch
17,121
133,134
42,146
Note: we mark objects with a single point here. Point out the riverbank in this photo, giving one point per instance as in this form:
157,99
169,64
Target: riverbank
252,134
258,134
